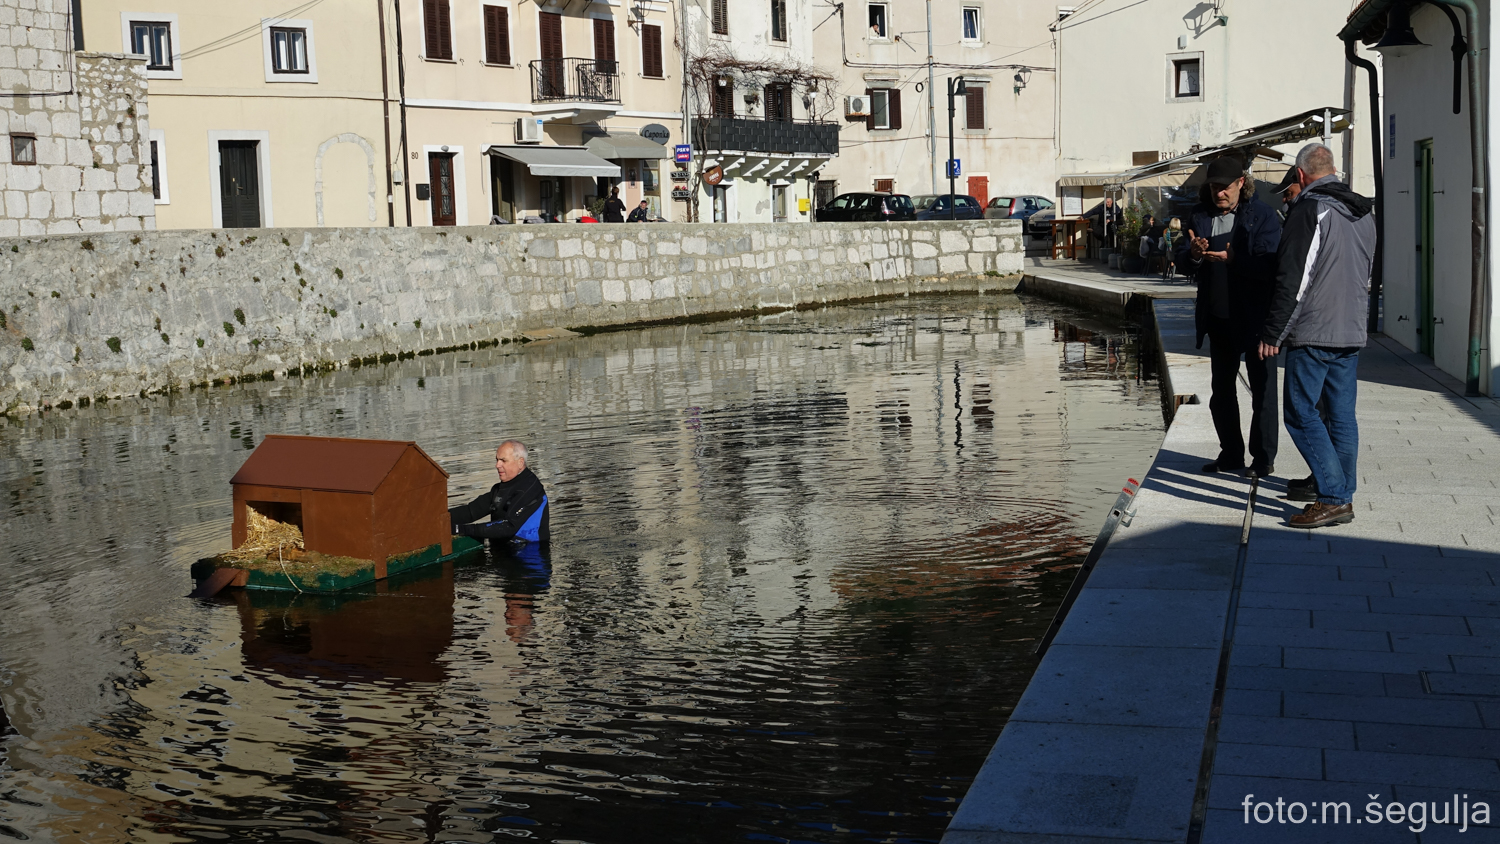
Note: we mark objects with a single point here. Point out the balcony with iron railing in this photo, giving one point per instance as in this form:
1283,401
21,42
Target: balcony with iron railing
575,80
782,137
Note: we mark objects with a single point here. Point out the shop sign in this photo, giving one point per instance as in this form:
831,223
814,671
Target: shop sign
656,133
713,175
684,153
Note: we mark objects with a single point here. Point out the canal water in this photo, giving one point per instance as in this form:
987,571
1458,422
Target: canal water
799,564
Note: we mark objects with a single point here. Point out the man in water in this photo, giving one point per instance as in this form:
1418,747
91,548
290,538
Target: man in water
515,508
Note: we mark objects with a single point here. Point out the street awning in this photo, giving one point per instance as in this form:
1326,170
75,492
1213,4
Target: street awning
557,160
618,146
1088,180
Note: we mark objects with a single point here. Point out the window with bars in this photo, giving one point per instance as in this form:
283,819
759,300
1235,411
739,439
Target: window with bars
971,22
437,27
651,54
721,17
778,20
152,39
885,108
496,35
288,50
974,106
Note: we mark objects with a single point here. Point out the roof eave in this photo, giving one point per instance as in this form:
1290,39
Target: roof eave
1363,15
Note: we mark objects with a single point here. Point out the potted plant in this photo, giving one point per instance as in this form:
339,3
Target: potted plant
1130,237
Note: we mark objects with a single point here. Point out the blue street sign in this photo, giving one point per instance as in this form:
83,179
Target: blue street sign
955,167
684,153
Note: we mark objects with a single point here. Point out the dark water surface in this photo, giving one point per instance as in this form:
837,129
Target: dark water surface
799,563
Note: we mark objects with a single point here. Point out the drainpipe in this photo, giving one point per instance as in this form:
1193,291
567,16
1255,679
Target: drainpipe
401,86
385,108
1377,168
1477,149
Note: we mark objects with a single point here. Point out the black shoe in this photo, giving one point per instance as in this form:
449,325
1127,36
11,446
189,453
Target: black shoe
1305,489
1262,470
1216,467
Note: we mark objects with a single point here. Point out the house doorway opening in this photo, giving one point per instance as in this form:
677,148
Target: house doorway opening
239,184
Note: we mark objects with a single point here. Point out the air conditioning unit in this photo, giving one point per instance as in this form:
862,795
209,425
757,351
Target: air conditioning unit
856,106
528,130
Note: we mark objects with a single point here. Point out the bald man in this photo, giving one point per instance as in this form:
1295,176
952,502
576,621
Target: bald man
514,509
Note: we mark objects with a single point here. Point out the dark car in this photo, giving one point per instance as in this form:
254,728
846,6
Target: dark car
934,206
866,207
1015,207
1039,225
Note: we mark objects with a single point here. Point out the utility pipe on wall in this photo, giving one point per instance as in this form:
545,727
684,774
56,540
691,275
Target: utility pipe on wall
385,108
401,92
1477,151
1377,167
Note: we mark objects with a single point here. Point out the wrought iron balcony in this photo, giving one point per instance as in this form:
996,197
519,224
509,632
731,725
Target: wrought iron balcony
748,134
575,80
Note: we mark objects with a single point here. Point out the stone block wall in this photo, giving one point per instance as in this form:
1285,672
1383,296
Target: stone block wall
117,314
88,114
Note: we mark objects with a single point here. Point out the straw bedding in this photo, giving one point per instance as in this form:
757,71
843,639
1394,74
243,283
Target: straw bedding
277,546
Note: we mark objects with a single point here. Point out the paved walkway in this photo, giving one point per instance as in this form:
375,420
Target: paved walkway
1363,659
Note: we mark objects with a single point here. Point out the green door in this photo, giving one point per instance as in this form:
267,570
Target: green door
1423,193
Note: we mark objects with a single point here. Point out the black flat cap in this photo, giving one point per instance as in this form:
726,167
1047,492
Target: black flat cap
1222,171
1288,180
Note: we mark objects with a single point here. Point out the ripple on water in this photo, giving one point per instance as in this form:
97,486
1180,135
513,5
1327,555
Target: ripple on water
799,564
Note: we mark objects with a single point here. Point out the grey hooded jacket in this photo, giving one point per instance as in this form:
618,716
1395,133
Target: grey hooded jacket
1322,290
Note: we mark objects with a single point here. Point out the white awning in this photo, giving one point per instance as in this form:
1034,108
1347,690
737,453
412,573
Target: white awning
619,146
557,160
1088,180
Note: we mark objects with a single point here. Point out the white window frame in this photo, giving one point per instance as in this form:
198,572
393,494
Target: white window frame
311,76
510,19
460,182
641,40
978,25
168,18
263,175
886,17
884,93
452,34
159,137
1172,60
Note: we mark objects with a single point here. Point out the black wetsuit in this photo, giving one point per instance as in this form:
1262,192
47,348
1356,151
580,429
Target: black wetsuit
506,507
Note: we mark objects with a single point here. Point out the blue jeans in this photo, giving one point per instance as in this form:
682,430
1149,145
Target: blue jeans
1331,449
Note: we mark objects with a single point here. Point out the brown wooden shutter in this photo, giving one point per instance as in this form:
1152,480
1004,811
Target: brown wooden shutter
721,17
893,107
497,35
604,44
975,107
551,35
438,29
870,107
651,58
723,97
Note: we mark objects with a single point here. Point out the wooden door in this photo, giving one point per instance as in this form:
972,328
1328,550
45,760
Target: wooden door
502,189
444,204
1426,319
239,184
552,76
979,188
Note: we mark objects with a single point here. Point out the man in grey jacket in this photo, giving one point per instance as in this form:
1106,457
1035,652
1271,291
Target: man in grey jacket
1318,313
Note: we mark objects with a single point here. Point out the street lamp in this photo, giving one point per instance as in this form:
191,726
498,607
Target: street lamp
956,88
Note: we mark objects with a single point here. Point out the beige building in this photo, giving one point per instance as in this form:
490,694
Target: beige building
896,129
75,125
428,112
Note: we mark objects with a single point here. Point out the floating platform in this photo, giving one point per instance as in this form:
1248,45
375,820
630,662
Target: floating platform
213,574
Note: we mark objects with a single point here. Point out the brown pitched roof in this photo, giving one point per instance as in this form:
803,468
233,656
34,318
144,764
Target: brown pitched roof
336,464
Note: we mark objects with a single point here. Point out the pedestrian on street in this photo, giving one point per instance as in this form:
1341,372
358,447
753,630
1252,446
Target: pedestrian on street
1230,250
614,209
640,214
1318,314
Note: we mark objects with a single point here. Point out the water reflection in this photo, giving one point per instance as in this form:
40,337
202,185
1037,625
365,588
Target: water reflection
796,565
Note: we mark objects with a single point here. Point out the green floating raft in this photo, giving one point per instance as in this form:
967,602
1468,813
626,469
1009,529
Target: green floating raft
319,575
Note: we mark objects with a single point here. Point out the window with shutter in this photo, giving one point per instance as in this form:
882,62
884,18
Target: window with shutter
778,20
721,17
438,28
885,185
604,45
893,102
496,35
974,101
723,97
651,57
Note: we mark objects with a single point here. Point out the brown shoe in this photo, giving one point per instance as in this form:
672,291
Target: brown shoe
1318,514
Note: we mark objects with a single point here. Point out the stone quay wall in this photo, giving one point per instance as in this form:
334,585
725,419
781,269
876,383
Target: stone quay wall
115,314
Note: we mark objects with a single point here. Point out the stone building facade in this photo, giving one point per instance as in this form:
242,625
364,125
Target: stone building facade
76,156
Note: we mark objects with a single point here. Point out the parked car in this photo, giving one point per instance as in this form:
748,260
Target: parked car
934,206
866,208
1039,225
1015,207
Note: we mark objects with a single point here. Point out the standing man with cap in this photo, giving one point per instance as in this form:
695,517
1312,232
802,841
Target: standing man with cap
1318,315
1230,250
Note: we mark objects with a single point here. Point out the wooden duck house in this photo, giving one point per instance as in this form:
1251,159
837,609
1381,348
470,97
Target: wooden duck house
367,499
